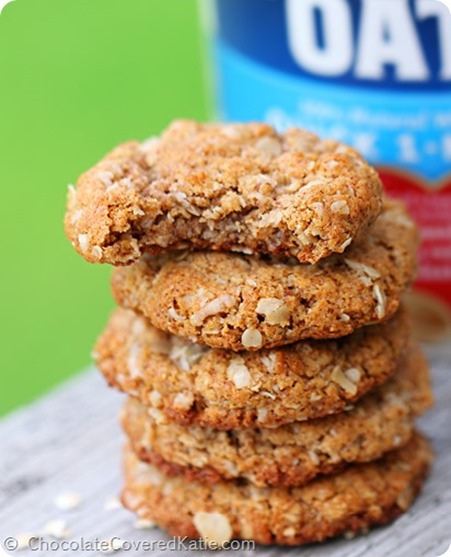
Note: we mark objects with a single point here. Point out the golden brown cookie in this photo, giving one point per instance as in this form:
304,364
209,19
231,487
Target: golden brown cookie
228,187
363,495
244,302
188,383
292,454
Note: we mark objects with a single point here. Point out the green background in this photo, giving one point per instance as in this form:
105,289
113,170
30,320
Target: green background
77,78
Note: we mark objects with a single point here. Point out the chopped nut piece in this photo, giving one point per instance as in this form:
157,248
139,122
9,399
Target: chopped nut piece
405,498
314,457
261,414
267,394
177,317
155,398
361,267
346,243
76,216
184,401
212,308
397,439
269,361
185,354
97,252
271,219
353,374
213,527
275,311
381,300
340,379
132,362
83,242
157,415
318,207
238,373
340,207
252,338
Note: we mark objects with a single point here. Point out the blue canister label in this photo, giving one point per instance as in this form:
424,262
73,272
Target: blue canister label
372,73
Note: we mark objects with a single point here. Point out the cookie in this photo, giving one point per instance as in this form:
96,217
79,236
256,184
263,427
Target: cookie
187,383
292,454
246,302
228,187
363,495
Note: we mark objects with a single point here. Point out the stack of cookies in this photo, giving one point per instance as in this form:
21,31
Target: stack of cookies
271,376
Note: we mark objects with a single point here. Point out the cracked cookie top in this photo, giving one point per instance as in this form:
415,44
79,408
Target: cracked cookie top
292,454
241,302
226,187
350,502
187,383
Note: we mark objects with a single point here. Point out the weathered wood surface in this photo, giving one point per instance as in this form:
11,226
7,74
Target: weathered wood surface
70,441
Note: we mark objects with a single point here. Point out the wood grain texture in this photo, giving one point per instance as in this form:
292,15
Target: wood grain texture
70,441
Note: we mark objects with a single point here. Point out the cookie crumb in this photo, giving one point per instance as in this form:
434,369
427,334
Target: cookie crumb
107,547
23,540
144,524
112,503
67,501
57,529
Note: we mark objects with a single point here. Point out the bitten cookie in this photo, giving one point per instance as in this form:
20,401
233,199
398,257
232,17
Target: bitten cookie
363,495
293,454
228,187
245,302
188,383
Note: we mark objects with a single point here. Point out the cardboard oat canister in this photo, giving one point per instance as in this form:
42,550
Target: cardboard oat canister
373,73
